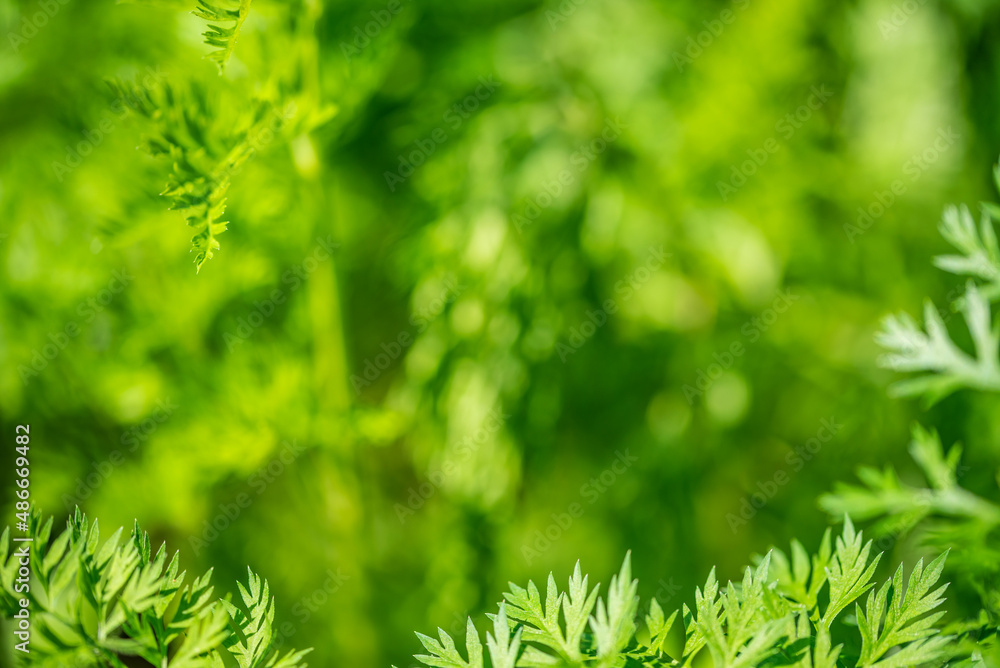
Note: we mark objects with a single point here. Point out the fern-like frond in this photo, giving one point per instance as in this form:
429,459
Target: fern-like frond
979,251
225,19
736,624
883,495
206,144
659,627
802,577
444,654
931,351
613,622
945,365
503,647
541,619
208,129
850,571
906,617
252,644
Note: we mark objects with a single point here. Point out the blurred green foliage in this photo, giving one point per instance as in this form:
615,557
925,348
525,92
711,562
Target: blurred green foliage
598,270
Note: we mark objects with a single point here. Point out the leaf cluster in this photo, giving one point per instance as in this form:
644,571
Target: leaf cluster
786,611
110,603
206,145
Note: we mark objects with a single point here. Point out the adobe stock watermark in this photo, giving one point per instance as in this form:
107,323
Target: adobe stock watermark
310,604
33,23
796,460
260,134
293,279
785,128
88,310
227,513
900,14
562,13
580,160
419,495
458,626
135,436
913,168
392,350
667,592
752,330
420,150
363,35
625,289
696,44
898,527
590,492
119,109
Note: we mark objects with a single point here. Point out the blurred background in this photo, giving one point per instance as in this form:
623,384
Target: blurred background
543,282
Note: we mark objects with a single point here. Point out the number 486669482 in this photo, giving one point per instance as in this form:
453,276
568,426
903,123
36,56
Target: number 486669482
22,439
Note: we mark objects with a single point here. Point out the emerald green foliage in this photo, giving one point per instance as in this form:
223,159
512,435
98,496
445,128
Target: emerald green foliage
947,367
186,387
98,604
785,612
